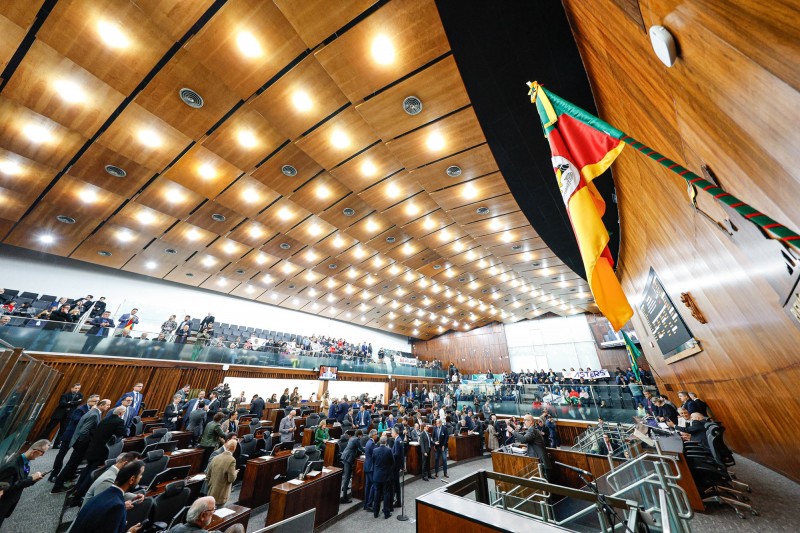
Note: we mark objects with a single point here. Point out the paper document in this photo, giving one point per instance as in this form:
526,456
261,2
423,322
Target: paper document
662,425
313,473
295,482
223,512
326,470
197,477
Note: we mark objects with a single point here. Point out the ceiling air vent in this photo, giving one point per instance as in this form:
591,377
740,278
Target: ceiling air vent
348,211
289,170
516,247
171,251
333,266
484,291
291,286
191,98
285,246
240,271
189,275
453,171
65,219
217,217
115,171
104,253
390,240
412,105
462,280
482,210
413,297
437,267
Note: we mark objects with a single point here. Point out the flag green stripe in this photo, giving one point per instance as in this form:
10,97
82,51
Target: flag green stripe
562,107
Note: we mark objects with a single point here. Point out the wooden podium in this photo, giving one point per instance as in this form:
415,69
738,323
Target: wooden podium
460,447
320,492
414,460
259,478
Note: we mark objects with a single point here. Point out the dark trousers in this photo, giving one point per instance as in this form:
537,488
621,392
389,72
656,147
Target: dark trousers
206,456
426,465
440,454
85,481
396,488
369,490
382,493
348,473
91,343
51,424
68,472
58,463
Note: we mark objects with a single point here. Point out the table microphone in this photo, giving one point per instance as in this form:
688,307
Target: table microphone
574,469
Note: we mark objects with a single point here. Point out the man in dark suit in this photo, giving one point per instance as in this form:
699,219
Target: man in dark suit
535,441
397,456
101,326
382,466
172,413
196,421
66,437
425,448
369,488
209,319
60,417
257,406
440,437
106,511
349,456
80,444
213,407
342,409
363,419
138,398
191,405
17,473
111,426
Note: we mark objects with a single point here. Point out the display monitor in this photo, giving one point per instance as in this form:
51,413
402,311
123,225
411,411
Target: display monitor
328,373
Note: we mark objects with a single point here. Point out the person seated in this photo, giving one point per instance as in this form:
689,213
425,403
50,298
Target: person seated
199,517
321,434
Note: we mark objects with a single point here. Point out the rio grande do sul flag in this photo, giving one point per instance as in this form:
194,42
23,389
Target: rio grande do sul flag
580,152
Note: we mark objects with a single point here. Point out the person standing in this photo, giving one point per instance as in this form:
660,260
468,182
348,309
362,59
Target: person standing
349,456
425,448
60,417
17,473
207,321
196,419
222,473
398,458
99,330
105,480
213,406
440,437
369,486
128,320
138,398
535,441
257,406
66,437
169,325
382,466
172,413
106,512
213,436
80,444
97,453
287,427
284,401
321,435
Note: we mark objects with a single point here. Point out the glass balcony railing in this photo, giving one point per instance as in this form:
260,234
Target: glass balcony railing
44,336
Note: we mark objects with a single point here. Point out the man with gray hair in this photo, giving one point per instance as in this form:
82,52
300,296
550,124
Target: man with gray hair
80,444
112,425
17,473
287,427
535,441
200,515
106,479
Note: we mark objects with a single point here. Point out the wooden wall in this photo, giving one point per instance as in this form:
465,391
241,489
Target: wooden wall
473,351
112,377
731,102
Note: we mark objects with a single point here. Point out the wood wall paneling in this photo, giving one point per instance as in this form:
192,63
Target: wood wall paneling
472,352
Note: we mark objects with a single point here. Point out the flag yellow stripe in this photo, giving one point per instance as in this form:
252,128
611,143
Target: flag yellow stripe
592,170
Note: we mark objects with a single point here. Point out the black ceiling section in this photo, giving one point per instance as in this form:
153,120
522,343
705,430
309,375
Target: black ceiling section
498,47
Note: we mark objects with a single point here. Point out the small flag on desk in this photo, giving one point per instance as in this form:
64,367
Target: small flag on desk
582,149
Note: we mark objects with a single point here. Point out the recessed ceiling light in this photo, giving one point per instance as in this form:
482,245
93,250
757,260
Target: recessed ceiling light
222,282
246,138
69,91
372,225
412,209
192,234
191,98
115,171
453,171
229,248
412,105
248,44
175,196
37,133
339,139
250,195
10,168
207,171
323,192
437,267
149,138
382,50
104,253
218,217
287,268
368,168
261,259
112,35
125,236
301,101
47,239
150,265
65,219
249,289
208,261
338,242
89,196
314,230
507,237
435,141
289,170
285,213
392,191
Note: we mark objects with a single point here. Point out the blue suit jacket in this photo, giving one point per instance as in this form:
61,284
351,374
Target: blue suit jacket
74,418
382,464
105,512
397,454
368,449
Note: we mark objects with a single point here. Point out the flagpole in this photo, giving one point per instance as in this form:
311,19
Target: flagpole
776,229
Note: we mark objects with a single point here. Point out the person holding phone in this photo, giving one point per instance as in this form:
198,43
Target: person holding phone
100,327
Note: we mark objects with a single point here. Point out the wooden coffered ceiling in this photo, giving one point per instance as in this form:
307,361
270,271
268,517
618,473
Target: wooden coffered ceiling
301,181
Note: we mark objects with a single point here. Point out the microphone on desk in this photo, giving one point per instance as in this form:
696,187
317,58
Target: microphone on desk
575,469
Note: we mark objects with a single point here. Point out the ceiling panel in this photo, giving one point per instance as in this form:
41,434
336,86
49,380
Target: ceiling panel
337,139
203,171
275,172
245,139
313,28
170,198
91,167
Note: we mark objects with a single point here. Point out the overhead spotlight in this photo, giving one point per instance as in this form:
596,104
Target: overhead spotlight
246,138
112,35
149,138
46,239
248,44
435,141
150,265
339,139
285,213
207,171
10,168
368,168
382,50
301,101
69,91
37,133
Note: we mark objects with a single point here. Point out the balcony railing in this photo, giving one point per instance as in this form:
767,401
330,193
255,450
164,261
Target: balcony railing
56,337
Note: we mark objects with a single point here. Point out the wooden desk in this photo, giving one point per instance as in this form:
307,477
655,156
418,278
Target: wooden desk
460,447
308,434
192,458
243,429
329,454
298,433
274,414
358,480
512,464
414,460
184,438
259,478
240,516
152,426
192,484
133,444
320,492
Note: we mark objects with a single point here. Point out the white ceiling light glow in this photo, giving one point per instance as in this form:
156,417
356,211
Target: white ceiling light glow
383,50
248,44
112,35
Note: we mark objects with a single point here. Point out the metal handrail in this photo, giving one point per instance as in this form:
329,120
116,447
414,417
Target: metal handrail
648,456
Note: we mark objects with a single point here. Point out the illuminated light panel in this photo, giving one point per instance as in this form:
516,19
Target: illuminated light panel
338,242
38,134
412,209
249,289
175,196
112,35
88,196
428,223
145,217
339,139
331,298
149,138
459,246
222,282
444,236
301,101
246,138
368,168
229,248
315,306
507,237
331,283
310,256
250,195
207,171
408,249
273,296
415,332
125,236
10,168
261,259
349,289
390,325
349,314
267,278
323,192
69,91
394,270
495,224
435,141
377,262
314,230
248,44
295,301
192,234
471,256
409,276
469,191
333,311
372,226
150,265
208,261
392,191
359,253
526,256
310,277
255,232
382,50
285,213
352,274
287,268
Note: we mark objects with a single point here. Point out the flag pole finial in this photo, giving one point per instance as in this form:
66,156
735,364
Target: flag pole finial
534,87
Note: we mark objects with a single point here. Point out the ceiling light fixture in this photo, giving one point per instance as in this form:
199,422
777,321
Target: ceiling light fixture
285,213
368,168
248,44
10,168
382,50
301,101
207,171
69,91
88,196
149,138
339,139
37,133
246,138
47,239
112,35
435,141
175,196
323,192
469,191
150,265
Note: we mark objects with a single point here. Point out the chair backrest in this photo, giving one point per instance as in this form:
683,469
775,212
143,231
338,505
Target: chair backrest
313,453
140,512
155,463
248,445
170,502
179,518
114,449
312,420
138,425
296,463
